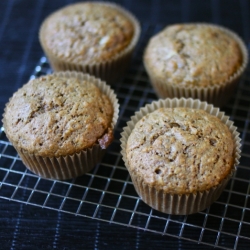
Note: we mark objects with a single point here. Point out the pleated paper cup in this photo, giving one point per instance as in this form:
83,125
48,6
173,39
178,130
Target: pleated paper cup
217,95
109,70
69,166
158,198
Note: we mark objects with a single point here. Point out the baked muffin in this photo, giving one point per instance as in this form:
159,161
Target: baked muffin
195,60
180,154
93,37
61,124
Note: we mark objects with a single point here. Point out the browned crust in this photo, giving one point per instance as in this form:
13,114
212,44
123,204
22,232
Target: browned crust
193,55
180,150
57,116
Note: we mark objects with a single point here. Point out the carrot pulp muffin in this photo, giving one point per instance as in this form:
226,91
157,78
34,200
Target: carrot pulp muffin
195,60
59,118
180,154
89,36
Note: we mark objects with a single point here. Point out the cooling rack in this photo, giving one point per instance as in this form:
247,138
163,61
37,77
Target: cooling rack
107,193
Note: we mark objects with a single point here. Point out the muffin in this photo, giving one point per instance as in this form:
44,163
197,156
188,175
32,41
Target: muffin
92,37
61,124
201,61
180,154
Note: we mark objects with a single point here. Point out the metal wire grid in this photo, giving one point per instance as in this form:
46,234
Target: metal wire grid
107,193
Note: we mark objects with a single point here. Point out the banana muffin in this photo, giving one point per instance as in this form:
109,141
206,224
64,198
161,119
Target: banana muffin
179,158
92,37
195,60
59,122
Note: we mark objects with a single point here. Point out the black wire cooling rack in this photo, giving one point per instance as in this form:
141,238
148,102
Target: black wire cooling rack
107,193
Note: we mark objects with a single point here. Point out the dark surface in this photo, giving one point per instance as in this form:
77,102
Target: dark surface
29,227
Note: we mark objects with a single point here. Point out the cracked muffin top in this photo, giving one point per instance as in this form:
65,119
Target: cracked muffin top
180,150
193,55
58,116
87,32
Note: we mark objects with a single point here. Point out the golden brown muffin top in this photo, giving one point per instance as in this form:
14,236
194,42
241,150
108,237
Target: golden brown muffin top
57,116
87,32
180,150
193,55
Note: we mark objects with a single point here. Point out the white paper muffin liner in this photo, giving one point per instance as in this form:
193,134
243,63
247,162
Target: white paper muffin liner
174,203
69,166
109,70
63,167
218,94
